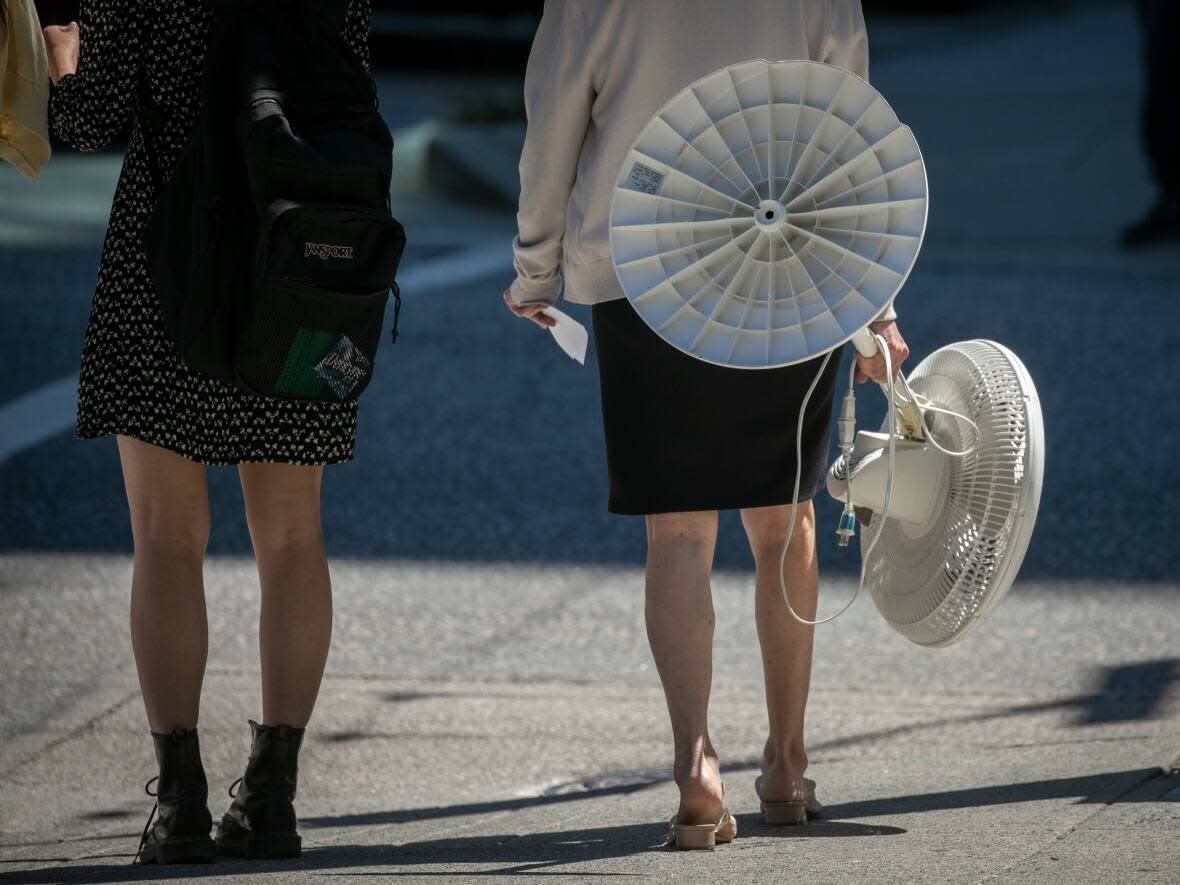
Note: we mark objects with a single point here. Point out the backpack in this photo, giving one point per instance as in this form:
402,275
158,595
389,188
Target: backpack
272,246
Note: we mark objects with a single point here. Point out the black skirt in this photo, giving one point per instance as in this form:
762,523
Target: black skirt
684,435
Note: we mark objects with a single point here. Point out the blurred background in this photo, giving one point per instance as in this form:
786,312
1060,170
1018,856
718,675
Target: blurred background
489,608
483,441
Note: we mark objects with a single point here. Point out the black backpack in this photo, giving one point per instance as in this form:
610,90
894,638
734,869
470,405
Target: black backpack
272,247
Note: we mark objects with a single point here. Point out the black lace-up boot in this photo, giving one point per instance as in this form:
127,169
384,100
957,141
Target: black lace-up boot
261,822
180,833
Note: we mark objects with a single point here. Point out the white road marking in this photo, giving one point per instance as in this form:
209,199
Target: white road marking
47,411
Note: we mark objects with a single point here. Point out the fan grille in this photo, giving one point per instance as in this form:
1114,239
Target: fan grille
936,583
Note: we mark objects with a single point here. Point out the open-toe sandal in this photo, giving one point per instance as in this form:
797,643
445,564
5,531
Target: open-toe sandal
792,812
703,836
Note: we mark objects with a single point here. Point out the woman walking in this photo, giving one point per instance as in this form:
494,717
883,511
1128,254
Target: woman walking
171,424
684,438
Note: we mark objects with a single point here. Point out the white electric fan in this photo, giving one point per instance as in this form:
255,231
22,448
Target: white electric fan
765,216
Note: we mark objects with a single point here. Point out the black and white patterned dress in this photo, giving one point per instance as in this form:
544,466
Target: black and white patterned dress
132,380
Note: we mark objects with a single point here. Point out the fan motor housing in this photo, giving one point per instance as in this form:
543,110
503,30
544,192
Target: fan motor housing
920,479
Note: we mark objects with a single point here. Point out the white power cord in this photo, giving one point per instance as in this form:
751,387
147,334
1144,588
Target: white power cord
850,432
923,408
884,349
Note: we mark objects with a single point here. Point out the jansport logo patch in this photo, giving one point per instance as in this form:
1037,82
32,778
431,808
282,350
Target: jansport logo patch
326,251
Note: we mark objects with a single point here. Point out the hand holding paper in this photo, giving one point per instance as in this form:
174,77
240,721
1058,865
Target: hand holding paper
570,335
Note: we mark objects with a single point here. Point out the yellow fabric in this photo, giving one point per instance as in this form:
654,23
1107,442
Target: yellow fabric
24,90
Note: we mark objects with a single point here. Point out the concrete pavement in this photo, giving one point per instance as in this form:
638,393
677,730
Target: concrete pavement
506,721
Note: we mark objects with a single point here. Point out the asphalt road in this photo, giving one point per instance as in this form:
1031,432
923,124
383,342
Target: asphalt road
480,442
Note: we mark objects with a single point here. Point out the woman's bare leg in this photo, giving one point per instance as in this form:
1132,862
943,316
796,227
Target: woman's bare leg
295,629
679,613
786,644
169,503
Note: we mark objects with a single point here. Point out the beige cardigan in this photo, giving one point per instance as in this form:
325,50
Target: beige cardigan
24,90
599,70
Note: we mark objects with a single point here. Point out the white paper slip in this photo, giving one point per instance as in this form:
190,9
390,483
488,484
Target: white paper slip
570,335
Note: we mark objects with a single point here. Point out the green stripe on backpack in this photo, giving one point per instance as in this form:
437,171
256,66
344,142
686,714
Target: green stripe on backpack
299,377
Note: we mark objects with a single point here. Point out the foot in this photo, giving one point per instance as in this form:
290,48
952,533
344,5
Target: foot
790,760
1160,225
702,796
702,820
704,834
177,830
782,779
260,822
779,786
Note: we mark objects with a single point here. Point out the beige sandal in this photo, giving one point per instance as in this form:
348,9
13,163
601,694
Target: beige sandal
780,814
703,837
792,812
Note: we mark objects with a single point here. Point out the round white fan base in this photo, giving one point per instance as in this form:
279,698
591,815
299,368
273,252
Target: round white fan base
767,213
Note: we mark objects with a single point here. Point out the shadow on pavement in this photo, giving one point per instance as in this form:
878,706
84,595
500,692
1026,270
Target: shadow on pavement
512,854
1127,693
750,826
409,815
1088,789
1130,692
521,853
534,852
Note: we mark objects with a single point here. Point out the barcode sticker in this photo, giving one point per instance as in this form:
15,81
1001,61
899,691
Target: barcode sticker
645,179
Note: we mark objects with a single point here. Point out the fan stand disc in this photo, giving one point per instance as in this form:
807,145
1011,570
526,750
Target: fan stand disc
767,213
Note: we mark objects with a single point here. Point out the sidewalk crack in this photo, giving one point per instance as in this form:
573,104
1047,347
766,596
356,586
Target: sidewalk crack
1004,874
69,735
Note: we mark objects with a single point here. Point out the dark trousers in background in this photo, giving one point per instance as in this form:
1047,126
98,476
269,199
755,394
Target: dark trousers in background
1161,107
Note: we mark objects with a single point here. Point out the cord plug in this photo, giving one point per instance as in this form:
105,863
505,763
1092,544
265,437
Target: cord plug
847,529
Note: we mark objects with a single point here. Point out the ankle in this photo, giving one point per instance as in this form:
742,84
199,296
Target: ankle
694,760
782,777
786,756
